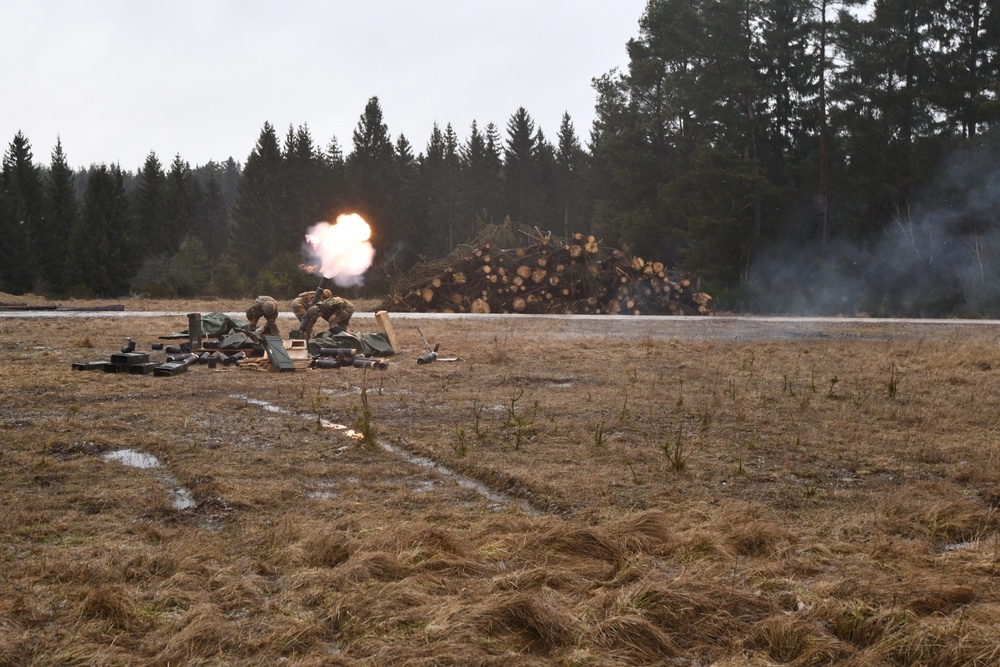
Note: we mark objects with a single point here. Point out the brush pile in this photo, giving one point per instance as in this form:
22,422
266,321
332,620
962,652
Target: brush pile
547,275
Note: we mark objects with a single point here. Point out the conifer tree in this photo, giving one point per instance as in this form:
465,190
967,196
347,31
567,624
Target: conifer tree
412,220
62,212
212,220
547,184
371,178
441,172
257,207
192,259
230,181
521,191
686,103
494,167
303,173
21,218
881,100
481,180
180,203
570,187
149,204
452,189
966,64
334,179
104,250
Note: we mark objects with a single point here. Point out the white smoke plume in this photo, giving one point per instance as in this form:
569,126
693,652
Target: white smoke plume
342,251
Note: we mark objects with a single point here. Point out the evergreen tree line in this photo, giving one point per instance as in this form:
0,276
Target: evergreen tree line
822,155
794,154
234,229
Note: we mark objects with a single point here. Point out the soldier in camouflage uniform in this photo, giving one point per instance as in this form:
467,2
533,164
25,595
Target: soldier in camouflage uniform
336,310
266,307
302,302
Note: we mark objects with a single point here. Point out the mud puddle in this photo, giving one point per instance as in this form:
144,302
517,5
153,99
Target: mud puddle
180,498
498,500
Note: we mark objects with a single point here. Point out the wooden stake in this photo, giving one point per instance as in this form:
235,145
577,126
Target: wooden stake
385,326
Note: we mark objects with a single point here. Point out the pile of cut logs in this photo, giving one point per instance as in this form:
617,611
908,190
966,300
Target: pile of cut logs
550,275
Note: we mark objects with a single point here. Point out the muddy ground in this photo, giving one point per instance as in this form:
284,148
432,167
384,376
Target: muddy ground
572,491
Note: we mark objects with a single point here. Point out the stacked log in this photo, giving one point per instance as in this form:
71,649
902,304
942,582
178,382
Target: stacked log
547,274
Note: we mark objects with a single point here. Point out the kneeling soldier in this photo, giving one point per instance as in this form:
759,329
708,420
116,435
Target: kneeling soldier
266,307
302,302
336,310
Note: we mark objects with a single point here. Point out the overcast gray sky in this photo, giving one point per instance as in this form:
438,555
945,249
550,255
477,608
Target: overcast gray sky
116,79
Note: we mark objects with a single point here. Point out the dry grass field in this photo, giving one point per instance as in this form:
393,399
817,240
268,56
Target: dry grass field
570,492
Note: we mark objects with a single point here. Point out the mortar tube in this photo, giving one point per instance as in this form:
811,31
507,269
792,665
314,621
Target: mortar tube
194,331
318,296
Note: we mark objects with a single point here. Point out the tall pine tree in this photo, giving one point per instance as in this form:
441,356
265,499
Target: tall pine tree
481,165
523,195
372,183
570,187
148,201
62,213
182,198
258,205
21,218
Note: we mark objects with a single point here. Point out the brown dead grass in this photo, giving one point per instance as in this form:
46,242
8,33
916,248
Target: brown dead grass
837,503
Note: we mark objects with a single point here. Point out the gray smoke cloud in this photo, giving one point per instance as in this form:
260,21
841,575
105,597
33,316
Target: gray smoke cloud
938,258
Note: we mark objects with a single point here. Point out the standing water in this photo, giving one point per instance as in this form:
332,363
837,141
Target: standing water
419,461
181,498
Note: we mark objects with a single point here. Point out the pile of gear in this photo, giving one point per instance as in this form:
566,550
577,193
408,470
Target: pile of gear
177,360
215,339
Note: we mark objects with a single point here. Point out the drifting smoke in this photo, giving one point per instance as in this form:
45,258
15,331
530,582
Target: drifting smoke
342,251
941,257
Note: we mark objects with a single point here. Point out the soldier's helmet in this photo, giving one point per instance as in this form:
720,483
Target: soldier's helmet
270,308
327,294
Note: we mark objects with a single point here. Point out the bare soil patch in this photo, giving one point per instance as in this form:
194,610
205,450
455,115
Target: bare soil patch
732,495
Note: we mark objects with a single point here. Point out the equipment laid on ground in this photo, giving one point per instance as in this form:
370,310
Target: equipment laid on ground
432,354
277,354
217,339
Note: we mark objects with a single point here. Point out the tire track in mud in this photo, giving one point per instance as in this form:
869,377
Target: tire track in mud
180,497
422,462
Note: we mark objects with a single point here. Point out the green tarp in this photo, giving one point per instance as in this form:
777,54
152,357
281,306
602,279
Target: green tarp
213,324
369,344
